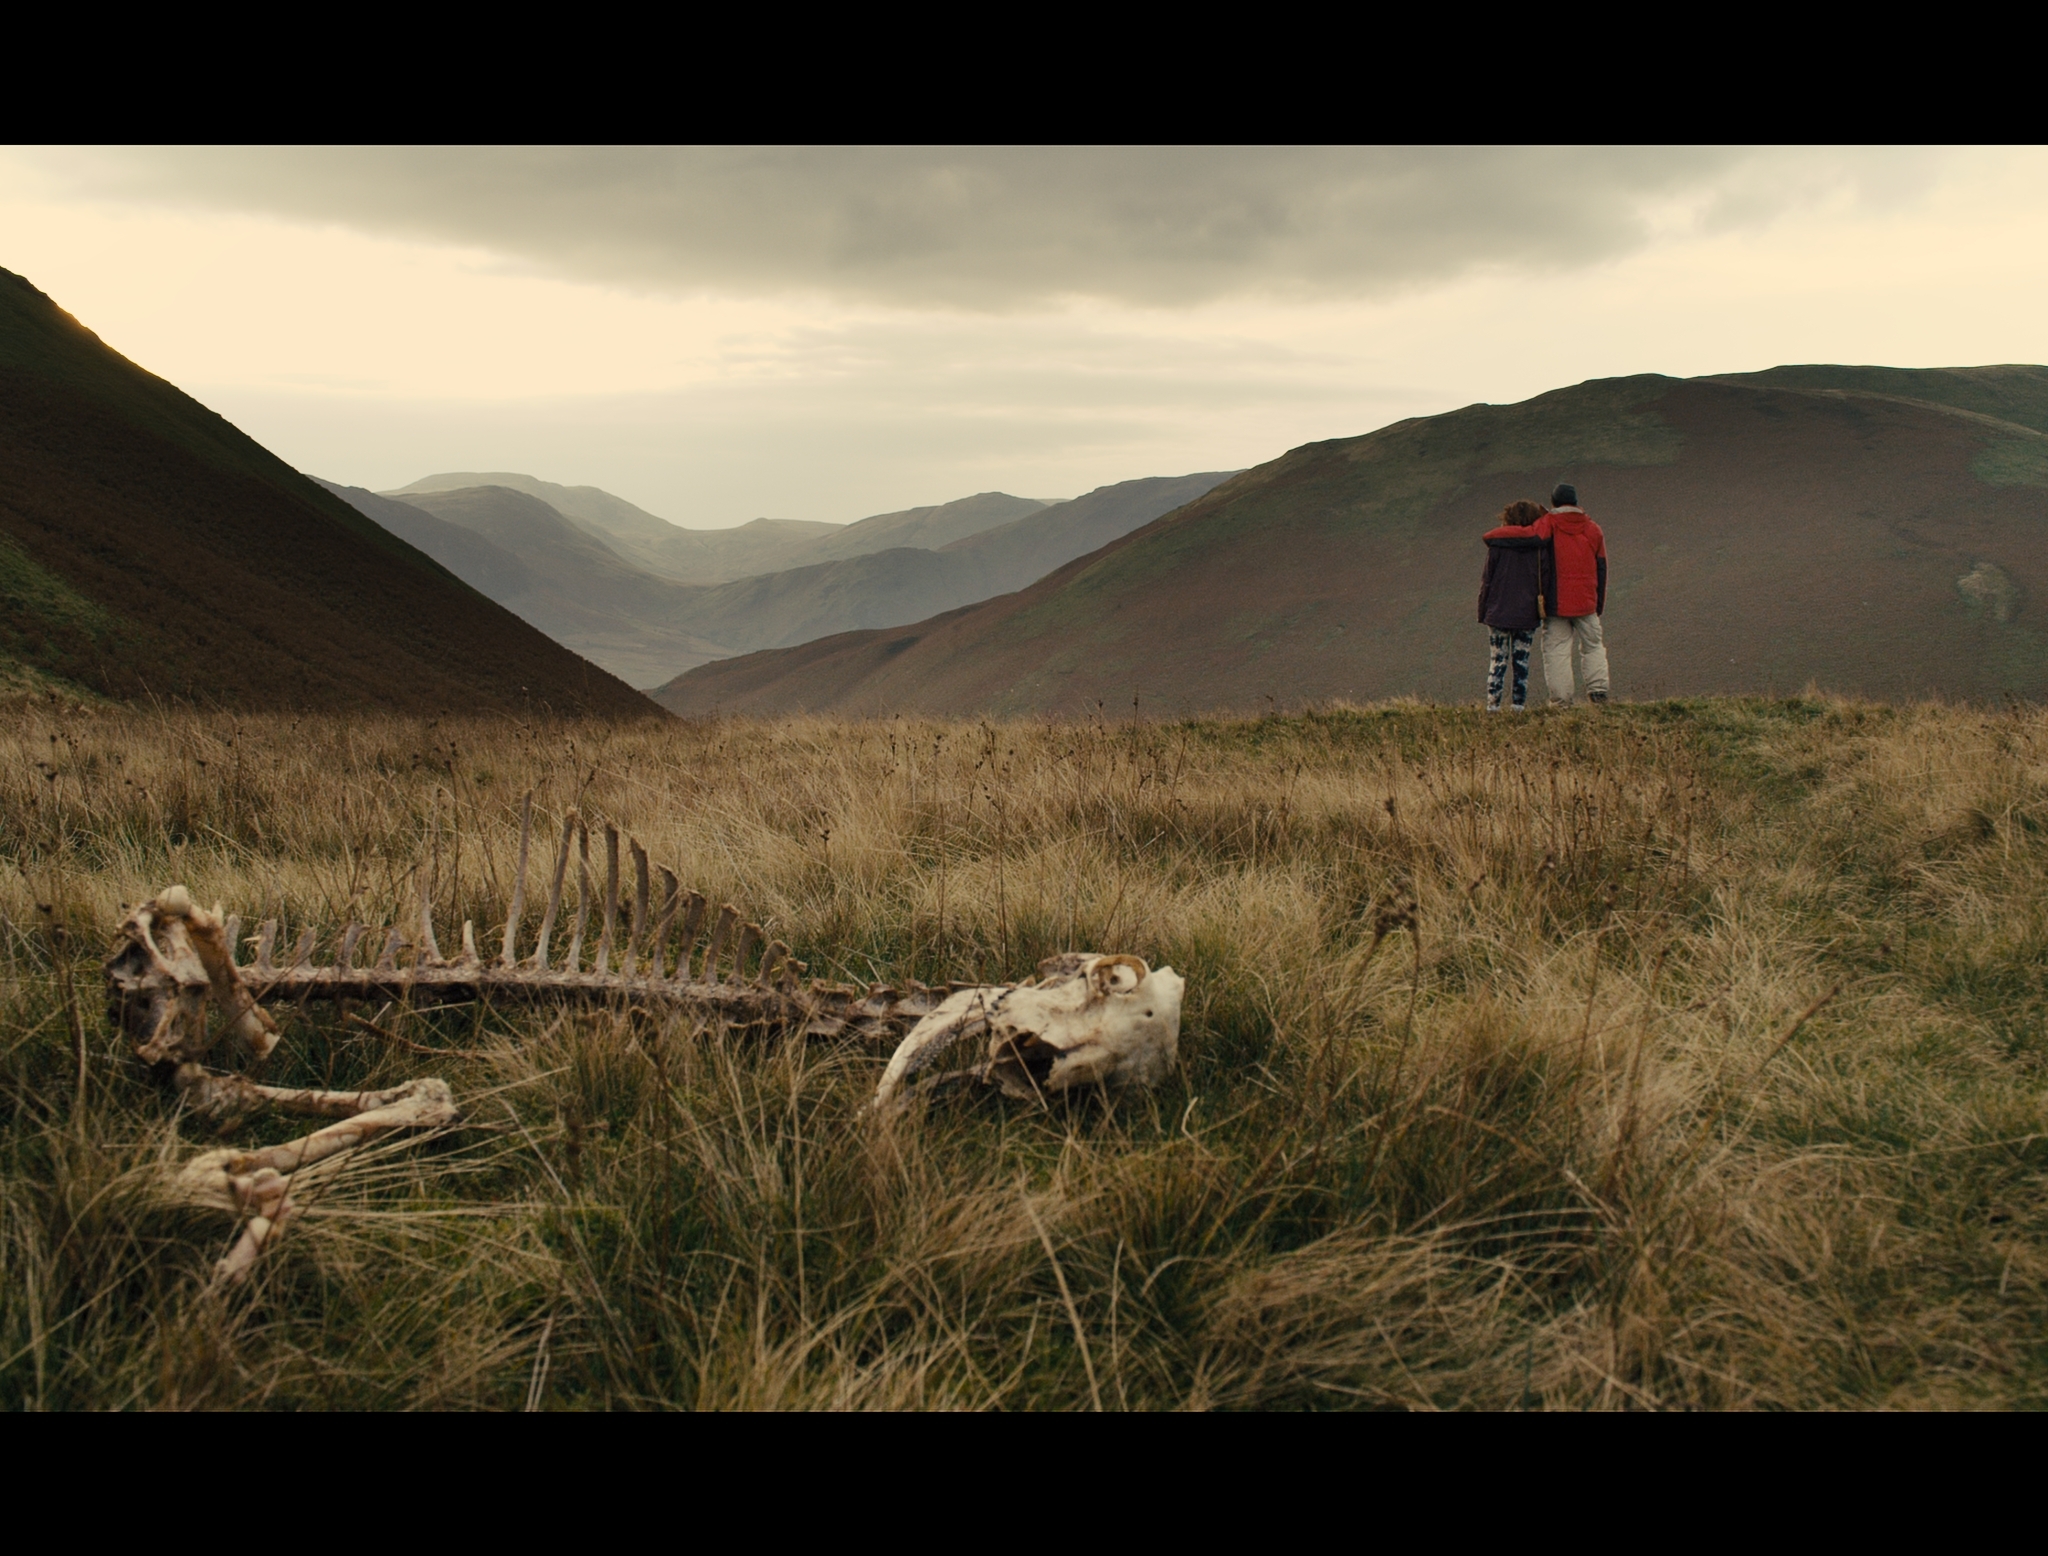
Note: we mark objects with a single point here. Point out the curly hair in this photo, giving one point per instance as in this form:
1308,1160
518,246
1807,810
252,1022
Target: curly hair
1523,512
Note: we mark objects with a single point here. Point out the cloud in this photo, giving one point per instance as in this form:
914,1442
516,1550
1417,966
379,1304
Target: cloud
999,229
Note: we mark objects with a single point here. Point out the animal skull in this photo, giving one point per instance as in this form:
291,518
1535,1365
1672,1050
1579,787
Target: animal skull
1086,1020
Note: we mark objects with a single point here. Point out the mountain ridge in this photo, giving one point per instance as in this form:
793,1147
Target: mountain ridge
711,556
592,595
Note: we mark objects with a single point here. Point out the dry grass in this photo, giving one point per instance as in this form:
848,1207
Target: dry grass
1687,1055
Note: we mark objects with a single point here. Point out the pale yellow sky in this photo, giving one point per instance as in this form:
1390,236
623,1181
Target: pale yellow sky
1032,334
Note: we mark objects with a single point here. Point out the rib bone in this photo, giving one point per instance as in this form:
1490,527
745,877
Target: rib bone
639,910
611,897
671,899
547,923
506,957
720,934
693,925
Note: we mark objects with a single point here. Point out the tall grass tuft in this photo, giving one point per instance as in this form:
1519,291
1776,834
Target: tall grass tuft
1690,1055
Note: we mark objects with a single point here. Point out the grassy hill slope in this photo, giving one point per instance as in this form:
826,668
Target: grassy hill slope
1763,533
148,548
2014,392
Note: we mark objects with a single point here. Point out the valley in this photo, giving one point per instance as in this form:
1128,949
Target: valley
589,570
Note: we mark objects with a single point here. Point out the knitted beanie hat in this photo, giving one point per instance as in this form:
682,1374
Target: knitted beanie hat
1565,495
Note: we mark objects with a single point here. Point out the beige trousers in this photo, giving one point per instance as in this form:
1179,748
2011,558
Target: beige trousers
1563,634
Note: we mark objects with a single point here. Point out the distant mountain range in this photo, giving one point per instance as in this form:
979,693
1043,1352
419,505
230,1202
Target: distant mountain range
559,576
710,556
149,549
1874,530
907,583
585,577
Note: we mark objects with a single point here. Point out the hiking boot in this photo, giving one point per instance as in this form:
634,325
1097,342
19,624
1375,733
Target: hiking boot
1597,699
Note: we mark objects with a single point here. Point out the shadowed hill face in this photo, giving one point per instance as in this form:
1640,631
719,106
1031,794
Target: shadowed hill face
1759,537
566,581
482,564
908,583
148,548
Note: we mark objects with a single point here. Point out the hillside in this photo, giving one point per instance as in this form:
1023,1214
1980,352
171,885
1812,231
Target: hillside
1026,549
482,564
590,594
908,582
149,549
668,550
927,528
709,556
1872,530
572,585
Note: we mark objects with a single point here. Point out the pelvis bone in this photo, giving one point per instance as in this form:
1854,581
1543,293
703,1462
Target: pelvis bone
172,959
1086,1020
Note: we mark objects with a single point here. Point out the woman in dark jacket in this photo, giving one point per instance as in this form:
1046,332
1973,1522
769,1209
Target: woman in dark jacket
1512,592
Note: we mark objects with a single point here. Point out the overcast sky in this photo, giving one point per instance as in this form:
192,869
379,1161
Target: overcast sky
721,334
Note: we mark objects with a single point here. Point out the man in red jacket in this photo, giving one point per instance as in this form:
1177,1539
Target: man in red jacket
1579,571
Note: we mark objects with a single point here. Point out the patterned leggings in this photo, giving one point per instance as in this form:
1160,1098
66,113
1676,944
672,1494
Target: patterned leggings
1508,648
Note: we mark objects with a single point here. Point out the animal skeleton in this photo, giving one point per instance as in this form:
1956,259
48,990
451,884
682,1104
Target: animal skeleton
1087,1019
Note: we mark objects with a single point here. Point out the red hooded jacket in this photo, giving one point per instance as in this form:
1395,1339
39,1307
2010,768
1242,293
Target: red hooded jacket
1580,551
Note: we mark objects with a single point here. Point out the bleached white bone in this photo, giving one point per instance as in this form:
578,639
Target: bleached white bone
174,957
258,1184
1087,1020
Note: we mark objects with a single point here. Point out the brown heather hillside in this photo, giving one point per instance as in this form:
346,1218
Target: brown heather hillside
1877,531
149,550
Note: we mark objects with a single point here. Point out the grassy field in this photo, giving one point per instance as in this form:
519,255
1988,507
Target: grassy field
1677,1055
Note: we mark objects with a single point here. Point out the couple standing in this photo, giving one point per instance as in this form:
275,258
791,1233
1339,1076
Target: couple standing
1545,571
